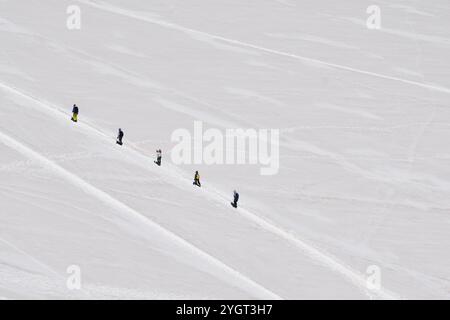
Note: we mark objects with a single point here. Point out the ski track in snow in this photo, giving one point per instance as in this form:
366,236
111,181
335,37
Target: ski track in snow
315,254
127,13
30,257
61,278
196,114
42,285
309,250
139,220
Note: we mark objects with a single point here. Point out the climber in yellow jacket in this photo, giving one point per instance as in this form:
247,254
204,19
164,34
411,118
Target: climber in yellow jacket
75,113
197,179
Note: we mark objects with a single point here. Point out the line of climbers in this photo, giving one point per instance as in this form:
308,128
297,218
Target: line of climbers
75,112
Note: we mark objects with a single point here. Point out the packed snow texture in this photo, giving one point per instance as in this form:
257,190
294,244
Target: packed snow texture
364,120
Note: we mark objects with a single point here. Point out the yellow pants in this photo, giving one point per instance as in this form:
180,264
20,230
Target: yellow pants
75,117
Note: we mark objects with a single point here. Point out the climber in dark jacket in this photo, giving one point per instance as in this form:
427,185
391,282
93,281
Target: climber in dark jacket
75,113
120,137
236,199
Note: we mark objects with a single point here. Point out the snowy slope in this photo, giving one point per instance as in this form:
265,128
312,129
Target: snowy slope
364,175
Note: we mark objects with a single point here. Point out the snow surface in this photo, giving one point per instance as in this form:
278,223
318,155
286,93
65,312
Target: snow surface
364,156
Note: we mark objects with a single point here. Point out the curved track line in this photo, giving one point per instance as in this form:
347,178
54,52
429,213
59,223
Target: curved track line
30,257
41,264
138,220
173,26
142,81
356,278
325,259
